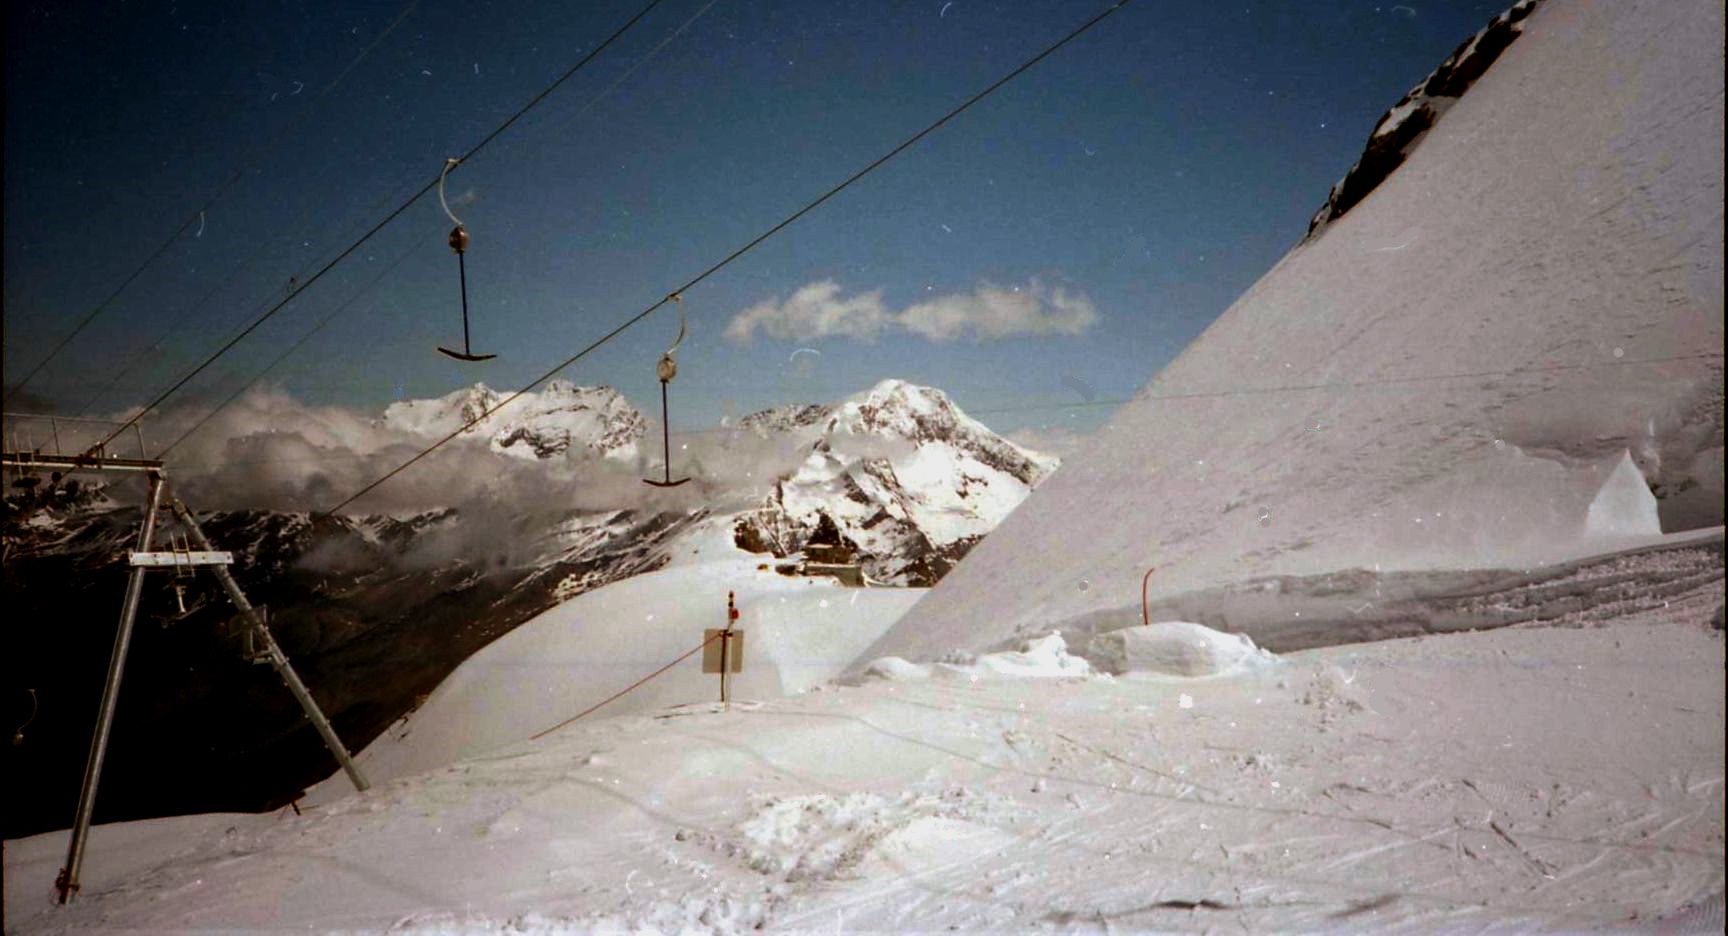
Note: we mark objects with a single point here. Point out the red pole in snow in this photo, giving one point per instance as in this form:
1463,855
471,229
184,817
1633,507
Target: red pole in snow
726,645
1145,617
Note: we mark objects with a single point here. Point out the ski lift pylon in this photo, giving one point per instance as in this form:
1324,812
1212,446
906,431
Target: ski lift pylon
667,369
459,244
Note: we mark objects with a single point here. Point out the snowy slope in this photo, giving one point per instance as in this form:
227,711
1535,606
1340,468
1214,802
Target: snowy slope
560,420
1416,786
798,632
1405,125
1451,375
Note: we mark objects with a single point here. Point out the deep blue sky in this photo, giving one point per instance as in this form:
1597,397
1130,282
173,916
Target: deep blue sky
1157,166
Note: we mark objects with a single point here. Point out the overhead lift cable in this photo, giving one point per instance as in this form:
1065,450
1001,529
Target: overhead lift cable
459,235
246,166
120,373
393,215
297,345
741,251
1386,383
587,106
257,308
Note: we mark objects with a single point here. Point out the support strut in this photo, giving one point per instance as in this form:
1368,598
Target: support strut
67,882
267,647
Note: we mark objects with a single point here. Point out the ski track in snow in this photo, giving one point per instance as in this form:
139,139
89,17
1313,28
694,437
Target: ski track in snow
1563,772
1529,777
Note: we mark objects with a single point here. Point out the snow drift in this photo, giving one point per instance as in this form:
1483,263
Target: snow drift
1476,367
1045,657
1175,648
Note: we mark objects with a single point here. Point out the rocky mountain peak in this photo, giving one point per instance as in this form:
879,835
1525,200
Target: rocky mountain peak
900,471
561,420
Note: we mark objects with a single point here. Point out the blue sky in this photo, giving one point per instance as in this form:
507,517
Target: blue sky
1144,175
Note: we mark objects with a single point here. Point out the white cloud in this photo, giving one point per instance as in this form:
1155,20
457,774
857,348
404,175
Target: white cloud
1059,441
988,313
270,450
815,311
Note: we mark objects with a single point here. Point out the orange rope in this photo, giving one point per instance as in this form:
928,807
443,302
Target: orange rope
1145,618
590,709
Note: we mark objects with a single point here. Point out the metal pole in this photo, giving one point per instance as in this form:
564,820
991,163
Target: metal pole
726,645
277,658
666,435
462,267
67,883
725,662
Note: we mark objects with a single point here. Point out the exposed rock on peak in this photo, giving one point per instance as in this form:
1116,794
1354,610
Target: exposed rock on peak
901,473
561,420
784,418
1401,129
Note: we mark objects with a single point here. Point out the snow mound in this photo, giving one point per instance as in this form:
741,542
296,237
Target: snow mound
823,836
1040,658
1176,648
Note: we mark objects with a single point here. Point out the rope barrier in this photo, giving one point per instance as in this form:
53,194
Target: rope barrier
626,690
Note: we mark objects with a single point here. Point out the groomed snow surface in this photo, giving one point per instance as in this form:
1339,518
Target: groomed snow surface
1528,778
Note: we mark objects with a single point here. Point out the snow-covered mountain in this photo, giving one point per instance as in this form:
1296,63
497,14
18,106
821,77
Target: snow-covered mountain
910,481
561,420
376,610
1509,352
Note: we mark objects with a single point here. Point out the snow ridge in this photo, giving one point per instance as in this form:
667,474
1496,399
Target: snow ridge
1401,129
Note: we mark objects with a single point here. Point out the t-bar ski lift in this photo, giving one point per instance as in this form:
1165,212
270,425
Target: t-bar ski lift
459,243
666,370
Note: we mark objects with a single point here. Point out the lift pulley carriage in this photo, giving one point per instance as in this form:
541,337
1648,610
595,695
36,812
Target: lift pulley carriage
666,370
459,244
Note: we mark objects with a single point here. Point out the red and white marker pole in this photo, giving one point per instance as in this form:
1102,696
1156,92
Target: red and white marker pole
726,648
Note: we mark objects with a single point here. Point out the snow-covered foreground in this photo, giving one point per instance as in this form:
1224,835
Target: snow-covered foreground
1524,778
798,632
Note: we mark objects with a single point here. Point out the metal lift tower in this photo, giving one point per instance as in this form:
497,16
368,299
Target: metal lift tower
29,460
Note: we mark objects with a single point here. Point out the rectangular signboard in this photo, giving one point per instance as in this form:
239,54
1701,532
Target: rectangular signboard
184,560
734,650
